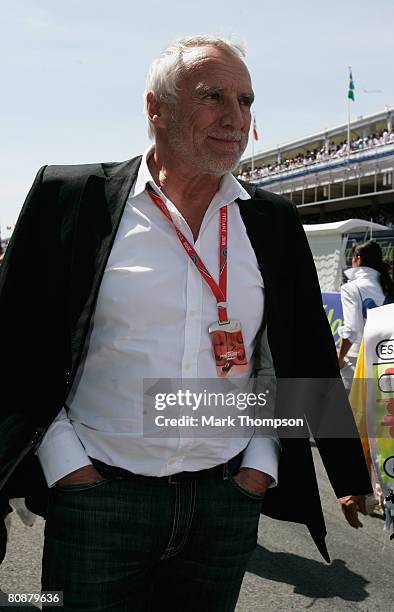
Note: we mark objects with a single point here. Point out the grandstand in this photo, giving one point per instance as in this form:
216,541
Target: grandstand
326,181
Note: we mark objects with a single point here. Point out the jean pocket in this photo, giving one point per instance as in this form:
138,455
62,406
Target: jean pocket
250,494
84,486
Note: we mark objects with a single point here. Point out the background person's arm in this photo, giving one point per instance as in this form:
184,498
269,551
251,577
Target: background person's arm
345,346
353,322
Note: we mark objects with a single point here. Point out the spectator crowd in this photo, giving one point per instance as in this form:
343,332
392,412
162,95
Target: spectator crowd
324,154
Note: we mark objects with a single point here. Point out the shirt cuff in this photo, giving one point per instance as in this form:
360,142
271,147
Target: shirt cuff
263,454
61,451
346,333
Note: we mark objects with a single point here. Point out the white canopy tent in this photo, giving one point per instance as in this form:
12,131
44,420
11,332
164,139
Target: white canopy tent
328,242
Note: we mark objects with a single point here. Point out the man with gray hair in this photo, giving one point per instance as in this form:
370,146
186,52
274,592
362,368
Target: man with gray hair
162,267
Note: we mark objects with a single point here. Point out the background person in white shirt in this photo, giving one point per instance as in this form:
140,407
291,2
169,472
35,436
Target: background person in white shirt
135,521
369,285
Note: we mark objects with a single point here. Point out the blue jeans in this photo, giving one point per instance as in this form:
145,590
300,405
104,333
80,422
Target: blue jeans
140,544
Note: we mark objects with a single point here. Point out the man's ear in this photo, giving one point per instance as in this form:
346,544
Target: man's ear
154,108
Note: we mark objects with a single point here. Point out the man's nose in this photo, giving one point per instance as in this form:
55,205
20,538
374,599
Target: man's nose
233,114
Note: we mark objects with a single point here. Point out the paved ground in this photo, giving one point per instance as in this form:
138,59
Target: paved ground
285,573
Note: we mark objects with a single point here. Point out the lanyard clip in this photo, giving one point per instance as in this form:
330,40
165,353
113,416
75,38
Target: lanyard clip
222,306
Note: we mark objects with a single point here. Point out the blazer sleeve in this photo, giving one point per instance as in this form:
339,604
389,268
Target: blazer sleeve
326,404
22,330
21,311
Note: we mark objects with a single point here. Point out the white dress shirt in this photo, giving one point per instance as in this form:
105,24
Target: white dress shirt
151,321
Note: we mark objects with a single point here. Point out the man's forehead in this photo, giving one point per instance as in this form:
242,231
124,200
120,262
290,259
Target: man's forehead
204,63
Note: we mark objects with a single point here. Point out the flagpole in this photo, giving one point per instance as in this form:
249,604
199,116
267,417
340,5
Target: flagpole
254,119
348,120
348,124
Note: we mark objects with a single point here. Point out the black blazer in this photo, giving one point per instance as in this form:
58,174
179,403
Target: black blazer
49,283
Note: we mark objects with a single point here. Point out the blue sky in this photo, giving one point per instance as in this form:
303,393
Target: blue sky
73,73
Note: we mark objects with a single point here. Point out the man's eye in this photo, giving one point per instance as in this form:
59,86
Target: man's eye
212,96
246,102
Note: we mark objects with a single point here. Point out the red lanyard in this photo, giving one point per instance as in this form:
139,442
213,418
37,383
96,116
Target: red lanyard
219,291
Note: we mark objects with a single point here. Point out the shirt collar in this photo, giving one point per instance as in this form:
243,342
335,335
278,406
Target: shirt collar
361,272
144,176
229,190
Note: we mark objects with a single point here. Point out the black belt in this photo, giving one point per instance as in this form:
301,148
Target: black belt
216,472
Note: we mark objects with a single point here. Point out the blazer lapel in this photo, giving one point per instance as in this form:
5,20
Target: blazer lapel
256,216
266,230
101,205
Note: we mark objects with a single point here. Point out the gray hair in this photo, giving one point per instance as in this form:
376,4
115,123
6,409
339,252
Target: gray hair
164,71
